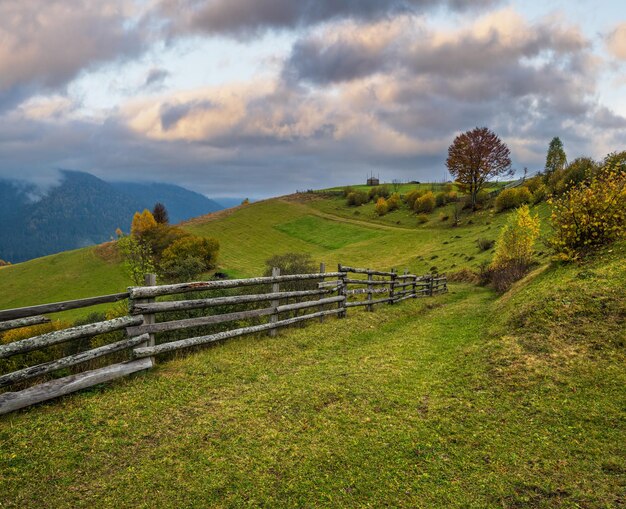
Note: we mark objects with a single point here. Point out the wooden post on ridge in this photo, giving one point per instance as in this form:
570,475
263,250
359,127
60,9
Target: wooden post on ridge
370,288
274,303
343,291
392,286
322,270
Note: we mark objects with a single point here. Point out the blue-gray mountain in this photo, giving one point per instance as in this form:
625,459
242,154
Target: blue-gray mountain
80,211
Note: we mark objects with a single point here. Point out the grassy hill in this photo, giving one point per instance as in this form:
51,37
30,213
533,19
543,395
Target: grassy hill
430,403
465,400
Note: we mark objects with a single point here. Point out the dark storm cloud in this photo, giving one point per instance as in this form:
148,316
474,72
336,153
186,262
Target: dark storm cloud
244,18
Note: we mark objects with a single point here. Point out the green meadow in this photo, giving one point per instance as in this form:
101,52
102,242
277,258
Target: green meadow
467,399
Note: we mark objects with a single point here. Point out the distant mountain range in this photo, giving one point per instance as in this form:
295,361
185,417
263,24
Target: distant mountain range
82,210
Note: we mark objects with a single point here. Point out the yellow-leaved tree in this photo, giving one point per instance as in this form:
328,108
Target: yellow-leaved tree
514,248
142,223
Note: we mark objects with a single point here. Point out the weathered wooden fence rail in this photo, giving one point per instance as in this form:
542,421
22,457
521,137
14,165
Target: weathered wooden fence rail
153,327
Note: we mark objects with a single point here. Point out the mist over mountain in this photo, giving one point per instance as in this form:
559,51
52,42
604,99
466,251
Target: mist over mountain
80,211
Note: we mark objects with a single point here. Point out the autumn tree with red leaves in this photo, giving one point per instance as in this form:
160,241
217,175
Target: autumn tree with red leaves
475,157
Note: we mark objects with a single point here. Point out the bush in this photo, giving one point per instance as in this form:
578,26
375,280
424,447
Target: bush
425,203
540,194
593,212
293,263
381,206
517,238
356,198
485,244
187,257
379,192
444,217
482,198
440,199
346,191
422,218
452,197
393,203
411,197
513,198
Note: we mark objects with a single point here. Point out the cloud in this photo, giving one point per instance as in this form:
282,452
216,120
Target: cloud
44,44
244,18
616,42
155,77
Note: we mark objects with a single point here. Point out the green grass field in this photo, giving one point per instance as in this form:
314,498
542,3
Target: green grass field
429,403
464,400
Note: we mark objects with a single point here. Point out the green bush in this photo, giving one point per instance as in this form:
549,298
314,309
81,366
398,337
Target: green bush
189,256
356,198
422,218
593,212
482,198
513,198
376,192
425,203
441,199
393,203
412,196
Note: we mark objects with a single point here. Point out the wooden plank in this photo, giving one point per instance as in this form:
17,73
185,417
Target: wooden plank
202,340
181,305
23,322
365,271
310,304
341,291
198,322
70,360
10,401
149,318
365,303
365,282
61,336
144,292
392,287
322,271
405,298
366,291
370,291
55,307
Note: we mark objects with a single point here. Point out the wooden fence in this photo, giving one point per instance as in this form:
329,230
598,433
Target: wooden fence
158,323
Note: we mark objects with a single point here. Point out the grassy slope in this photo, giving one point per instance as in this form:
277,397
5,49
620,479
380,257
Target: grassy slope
429,403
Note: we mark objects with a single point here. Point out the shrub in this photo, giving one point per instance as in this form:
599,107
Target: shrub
379,192
485,244
514,248
425,203
452,197
513,198
356,198
142,223
440,199
412,196
393,203
482,198
539,195
593,212
188,257
422,218
346,191
381,206
293,263
444,217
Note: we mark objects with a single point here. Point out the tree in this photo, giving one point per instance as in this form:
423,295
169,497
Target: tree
159,212
555,160
475,157
142,223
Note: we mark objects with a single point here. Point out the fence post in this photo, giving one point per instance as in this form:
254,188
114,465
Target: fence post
370,289
414,287
322,270
149,318
342,291
430,284
392,287
274,303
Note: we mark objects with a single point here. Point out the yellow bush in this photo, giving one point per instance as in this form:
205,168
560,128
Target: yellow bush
517,239
381,206
512,198
593,212
425,203
393,203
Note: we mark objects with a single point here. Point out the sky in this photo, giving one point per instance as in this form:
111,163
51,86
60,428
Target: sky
260,98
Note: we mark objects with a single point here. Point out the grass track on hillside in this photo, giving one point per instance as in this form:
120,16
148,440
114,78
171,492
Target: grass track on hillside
400,408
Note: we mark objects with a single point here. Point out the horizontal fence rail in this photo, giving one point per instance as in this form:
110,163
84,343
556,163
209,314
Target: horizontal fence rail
162,320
